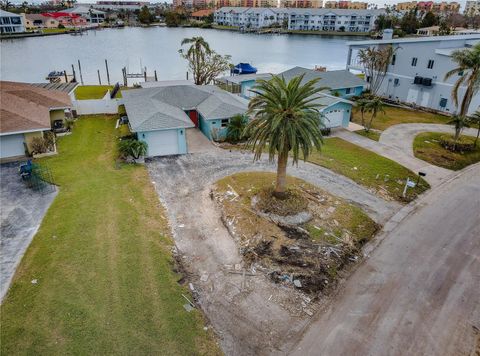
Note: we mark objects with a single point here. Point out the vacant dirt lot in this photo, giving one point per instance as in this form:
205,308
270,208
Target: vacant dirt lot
250,313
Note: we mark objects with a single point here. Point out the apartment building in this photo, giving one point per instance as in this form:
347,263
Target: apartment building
417,71
352,5
472,8
426,6
120,5
303,4
10,22
299,19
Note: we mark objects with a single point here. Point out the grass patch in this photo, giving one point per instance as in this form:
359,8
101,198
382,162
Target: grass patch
382,175
395,116
294,250
372,135
90,92
103,261
55,30
426,147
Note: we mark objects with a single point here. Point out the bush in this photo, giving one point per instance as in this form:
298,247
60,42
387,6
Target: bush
69,123
131,147
462,145
60,26
236,128
39,145
49,139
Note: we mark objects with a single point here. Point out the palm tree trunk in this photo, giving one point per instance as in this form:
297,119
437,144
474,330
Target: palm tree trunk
478,134
280,188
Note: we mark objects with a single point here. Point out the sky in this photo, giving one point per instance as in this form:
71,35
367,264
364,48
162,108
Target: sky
380,3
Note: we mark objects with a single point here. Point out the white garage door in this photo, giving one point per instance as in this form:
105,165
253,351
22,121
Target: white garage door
334,118
425,99
412,96
11,146
162,143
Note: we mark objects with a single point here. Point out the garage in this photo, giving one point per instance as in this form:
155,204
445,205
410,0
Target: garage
12,146
161,143
334,118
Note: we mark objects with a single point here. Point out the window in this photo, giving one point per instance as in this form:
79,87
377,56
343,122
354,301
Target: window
348,90
414,61
224,123
430,63
394,57
443,102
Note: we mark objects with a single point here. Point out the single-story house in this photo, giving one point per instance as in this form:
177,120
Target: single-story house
202,14
27,111
161,115
34,21
336,108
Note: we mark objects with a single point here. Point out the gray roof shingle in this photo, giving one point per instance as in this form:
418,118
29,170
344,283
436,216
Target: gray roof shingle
161,108
335,79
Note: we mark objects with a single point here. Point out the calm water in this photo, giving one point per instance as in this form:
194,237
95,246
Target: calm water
30,59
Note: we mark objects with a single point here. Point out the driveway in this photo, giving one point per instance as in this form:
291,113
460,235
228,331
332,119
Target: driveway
22,211
402,136
418,293
251,314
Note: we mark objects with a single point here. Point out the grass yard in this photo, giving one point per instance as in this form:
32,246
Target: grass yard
86,92
427,148
367,168
372,135
55,30
395,116
103,261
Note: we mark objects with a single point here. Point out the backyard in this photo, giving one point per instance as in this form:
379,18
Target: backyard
395,115
427,147
86,92
98,277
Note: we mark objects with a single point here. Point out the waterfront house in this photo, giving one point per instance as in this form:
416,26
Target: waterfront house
417,70
36,21
201,15
66,19
299,19
27,111
93,16
11,23
161,115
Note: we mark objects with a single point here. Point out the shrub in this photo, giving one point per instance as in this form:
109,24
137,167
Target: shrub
69,123
60,26
236,129
38,145
131,147
49,139
463,144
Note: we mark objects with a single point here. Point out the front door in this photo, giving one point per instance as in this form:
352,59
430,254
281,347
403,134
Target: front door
194,117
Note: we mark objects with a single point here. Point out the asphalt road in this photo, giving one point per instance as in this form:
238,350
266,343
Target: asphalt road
419,292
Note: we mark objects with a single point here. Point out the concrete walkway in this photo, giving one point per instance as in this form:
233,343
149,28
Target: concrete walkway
402,136
435,174
197,142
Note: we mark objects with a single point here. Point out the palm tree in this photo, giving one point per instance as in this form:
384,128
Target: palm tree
196,54
475,118
375,106
362,104
468,70
285,119
459,122
236,128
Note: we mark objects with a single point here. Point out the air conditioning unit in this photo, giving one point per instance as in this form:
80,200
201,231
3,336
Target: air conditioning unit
418,80
427,82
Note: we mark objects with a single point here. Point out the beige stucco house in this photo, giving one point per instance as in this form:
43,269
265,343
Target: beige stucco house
35,21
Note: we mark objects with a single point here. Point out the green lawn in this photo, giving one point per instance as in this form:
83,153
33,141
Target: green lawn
373,135
55,30
427,148
85,92
103,261
395,116
366,168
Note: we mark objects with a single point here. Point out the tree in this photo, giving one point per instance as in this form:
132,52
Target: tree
145,16
5,5
236,128
475,119
375,63
204,62
409,22
374,106
362,104
468,72
285,119
173,19
430,19
134,148
459,123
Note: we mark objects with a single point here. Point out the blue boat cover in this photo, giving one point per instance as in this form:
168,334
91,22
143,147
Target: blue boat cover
244,68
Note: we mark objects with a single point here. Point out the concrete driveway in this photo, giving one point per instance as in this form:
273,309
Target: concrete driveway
22,211
251,314
418,293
